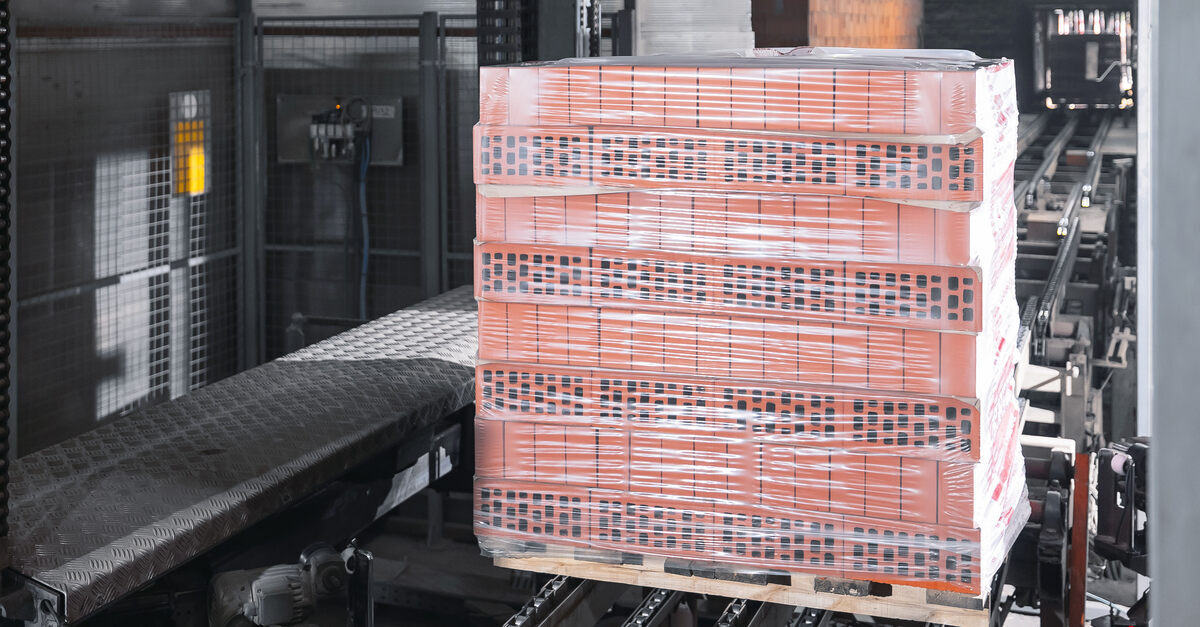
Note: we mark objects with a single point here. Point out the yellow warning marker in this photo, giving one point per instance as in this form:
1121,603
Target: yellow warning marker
190,158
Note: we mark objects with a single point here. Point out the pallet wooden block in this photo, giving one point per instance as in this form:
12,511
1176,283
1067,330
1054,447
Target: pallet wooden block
839,595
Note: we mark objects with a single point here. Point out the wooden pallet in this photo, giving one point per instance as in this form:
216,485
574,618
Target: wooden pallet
840,595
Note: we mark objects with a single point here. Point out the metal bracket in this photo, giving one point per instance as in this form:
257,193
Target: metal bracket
359,594
1052,558
30,601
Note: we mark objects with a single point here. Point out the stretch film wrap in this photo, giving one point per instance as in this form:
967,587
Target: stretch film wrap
751,308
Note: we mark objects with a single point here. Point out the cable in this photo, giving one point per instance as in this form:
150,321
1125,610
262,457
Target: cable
1116,607
358,112
317,165
365,159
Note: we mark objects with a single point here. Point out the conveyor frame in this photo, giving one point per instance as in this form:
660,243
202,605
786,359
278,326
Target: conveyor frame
106,513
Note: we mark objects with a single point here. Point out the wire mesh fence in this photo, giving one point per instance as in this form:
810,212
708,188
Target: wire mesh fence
131,263
334,257
317,243
127,220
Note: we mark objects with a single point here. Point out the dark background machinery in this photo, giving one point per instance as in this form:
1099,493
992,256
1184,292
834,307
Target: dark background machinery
1085,52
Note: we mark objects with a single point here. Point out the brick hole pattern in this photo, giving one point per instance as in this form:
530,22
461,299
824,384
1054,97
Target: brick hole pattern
648,158
941,429
932,297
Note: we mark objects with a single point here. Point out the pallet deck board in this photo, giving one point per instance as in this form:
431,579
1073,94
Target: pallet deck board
904,602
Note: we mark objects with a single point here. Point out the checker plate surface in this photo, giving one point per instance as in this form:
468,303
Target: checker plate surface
103,514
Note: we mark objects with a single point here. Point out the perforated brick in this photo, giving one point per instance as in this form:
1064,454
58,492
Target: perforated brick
922,426
727,160
912,296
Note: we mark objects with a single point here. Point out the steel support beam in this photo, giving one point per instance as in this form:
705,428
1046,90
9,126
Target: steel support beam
1028,133
8,292
1091,180
250,200
556,29
1056,283
1027,196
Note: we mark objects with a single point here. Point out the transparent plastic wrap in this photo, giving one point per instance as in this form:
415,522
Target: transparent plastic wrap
911,295
856,516
570,160
931,130
753,309
932,426
738,347
764,226
817,90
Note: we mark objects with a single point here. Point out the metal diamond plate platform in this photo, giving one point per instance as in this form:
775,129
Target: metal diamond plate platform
101,515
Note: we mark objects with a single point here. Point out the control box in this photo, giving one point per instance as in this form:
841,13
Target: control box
330,127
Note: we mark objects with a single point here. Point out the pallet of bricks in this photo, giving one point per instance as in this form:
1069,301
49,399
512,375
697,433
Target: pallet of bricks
753,312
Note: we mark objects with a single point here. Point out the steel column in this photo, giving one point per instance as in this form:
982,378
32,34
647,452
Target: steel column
443,139
250,200
1167,267
556,29
7,291
431,137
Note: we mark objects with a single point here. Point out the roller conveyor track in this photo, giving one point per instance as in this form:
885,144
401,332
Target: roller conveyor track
103,514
